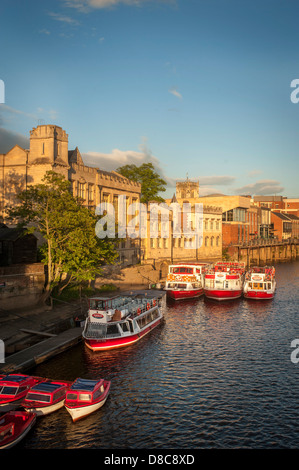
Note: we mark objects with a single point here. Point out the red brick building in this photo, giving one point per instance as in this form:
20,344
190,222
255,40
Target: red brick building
285,225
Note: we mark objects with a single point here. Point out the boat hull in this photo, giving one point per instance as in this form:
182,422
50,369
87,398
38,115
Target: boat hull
21,429
258,295
82,411
45,410
120,341
184,294
10,406
219,294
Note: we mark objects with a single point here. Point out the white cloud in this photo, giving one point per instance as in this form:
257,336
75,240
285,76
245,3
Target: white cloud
115,159
216,180
86,5
44,31
174,92
63,19
254,173
9,139
261,188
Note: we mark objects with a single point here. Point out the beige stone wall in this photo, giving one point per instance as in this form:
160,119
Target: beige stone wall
185,247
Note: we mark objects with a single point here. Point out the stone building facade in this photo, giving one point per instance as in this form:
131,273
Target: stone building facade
49,150
210,246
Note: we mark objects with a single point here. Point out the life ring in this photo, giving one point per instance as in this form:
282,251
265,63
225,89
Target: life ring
154,302
148,306
138,311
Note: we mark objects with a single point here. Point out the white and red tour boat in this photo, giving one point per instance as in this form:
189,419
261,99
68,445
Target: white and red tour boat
46,397
260,283
13,389
86,396
224,281
185,280
119,321
14,426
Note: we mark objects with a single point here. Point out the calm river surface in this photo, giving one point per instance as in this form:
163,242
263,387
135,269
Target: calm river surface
213,375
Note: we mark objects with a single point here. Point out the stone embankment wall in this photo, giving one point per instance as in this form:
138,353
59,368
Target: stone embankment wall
264,254
21,285
134,277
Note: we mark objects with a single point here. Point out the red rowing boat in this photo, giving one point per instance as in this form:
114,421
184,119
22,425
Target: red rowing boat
14,426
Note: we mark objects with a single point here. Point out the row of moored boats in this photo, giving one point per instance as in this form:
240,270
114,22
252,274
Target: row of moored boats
221,281
23,398
115,322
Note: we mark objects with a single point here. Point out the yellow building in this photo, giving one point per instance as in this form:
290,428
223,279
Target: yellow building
193,245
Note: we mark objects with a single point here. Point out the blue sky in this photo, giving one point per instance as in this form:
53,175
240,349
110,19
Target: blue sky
198,87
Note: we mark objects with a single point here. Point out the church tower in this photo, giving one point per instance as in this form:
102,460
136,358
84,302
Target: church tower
48,151
187,189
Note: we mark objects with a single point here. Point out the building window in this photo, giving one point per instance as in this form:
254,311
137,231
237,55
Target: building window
206,241
81,190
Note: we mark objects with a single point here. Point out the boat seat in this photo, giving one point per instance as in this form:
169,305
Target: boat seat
6,430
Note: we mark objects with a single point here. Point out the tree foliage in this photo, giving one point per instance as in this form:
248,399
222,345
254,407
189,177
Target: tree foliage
71,246
151,182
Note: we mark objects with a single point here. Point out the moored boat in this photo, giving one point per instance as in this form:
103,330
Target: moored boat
13,389
14,426
46,397
224,281
260,283
119,321
86,396
185,280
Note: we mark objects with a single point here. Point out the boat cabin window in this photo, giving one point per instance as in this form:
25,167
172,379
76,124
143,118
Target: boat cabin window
98,392
182,270
258,285
124,326
9,390
269,285
95,304
148,318
84,396
72,396
112,330
39,397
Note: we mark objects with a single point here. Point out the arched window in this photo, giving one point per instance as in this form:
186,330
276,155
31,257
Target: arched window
206,241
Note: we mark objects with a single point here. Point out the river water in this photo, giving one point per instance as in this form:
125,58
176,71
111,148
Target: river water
213,375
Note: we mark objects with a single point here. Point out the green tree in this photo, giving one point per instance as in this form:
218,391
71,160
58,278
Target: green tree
71,246
151,182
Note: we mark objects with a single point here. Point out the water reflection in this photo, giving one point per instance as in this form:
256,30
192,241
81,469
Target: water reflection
214,374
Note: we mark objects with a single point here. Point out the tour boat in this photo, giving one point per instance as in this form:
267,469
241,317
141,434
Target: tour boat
14,426
224,281
185,281
46,397
13,389
260,283
119,321
86,396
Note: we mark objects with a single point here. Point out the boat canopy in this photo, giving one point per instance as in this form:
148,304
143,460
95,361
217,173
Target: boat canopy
48,387
84,384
